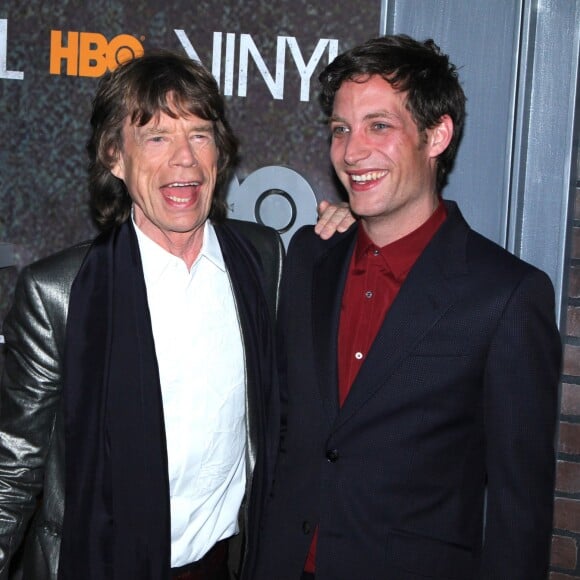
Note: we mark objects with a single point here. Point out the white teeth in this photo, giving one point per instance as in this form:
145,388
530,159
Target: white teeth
190,184
370,176
178,199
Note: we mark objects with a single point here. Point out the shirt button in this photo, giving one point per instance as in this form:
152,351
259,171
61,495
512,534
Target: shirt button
376,252
332,455
369,294
358,355
306,527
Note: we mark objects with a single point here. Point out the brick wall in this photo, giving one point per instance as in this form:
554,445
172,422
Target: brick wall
566,536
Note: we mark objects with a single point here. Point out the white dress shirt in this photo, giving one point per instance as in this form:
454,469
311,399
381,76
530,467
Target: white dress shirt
201,368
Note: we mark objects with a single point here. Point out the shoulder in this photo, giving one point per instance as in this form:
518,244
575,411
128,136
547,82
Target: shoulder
252,230
42,294
306,244
263,240
479,252
488,270
492,259
60,267
51,277
66,260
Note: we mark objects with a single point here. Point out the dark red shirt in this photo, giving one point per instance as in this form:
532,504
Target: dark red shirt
374,279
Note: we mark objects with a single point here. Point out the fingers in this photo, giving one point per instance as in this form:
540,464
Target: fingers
322,207
333,218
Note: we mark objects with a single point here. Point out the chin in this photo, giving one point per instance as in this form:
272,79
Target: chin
364,210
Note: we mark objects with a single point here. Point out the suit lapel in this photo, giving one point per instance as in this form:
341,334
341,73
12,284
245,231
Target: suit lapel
328,286
429,291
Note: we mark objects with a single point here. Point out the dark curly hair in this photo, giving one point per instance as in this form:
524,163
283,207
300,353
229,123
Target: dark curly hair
418,69
139,89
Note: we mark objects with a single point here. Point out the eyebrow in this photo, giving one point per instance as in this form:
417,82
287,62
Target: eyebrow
207,127
154,130
367,117
160,129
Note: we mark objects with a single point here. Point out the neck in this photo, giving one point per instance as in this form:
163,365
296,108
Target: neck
386,229
183,245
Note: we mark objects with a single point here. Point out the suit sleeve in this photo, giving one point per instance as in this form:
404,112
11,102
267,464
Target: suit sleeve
29,395
521,386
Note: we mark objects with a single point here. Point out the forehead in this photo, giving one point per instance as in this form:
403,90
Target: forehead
368,95
150,109
172,118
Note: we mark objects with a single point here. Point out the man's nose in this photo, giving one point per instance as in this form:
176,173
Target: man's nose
184,153
355,149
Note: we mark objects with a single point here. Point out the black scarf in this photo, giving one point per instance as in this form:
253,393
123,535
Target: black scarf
116,520
117,517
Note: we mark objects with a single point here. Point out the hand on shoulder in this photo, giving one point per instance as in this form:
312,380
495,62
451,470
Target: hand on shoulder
332,218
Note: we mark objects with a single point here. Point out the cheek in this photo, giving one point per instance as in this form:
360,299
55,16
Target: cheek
209,160
335,154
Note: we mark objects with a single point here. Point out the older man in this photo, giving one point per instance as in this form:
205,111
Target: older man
139,368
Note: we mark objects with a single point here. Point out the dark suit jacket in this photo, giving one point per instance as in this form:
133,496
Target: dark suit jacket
458,393
31,418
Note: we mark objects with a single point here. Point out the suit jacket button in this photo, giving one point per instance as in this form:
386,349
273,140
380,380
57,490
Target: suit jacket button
332,455
306,527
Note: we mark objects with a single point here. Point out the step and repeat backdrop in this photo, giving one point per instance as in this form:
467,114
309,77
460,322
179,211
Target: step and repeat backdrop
266,58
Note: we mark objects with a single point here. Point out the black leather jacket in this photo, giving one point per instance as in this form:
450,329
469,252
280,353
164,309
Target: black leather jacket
31,417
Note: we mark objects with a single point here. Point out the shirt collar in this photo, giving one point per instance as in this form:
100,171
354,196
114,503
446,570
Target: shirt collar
156,259
401,254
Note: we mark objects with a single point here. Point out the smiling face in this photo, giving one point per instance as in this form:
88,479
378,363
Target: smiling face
386,165
169,167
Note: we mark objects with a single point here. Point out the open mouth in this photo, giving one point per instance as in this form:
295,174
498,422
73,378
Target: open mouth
181,192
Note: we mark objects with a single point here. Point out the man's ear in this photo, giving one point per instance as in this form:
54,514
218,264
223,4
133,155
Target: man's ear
117,165
440,136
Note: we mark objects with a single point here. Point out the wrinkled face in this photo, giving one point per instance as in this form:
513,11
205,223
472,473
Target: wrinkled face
169,167
387,167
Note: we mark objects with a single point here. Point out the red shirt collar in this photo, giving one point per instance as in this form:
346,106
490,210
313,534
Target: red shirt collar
401,254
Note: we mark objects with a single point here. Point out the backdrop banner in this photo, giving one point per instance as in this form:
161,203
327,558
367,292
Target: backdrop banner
266,58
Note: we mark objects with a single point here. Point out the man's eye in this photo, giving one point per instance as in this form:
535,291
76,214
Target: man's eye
156,139
339,130
200,139
380,126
